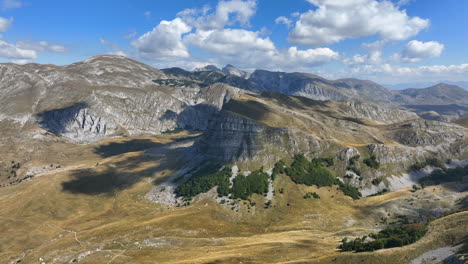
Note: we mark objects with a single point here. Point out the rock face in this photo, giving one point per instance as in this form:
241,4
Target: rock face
207,68
425,132
380,115
440,102
315,87
231,70
233,138
104,96
262,130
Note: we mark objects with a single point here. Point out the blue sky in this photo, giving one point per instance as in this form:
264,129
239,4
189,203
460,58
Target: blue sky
385,41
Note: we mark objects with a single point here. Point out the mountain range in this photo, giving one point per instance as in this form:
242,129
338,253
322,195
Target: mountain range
110,159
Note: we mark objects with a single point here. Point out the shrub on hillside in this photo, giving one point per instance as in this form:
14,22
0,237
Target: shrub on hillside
391,237
278,169
245,186
372,162
201,183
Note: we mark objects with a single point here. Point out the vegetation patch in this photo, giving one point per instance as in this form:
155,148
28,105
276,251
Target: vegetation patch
204,180
210,176
372,162
428,162
388,238
311,195
376,181
244,187
354,160
279,168
303,171
349,190
445,175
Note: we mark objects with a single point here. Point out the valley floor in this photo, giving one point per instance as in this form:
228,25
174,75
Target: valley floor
93,209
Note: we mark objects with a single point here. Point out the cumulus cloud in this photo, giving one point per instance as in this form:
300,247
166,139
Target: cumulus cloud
11,51
335,20
373,56
309,57
247,48
5,24
226,13
164,41
230,41
40,46
10,4
387,73
21,61
207,30
283,20
417,50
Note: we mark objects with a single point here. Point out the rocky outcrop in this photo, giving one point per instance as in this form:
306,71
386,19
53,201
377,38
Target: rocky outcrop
427,133
233,138
106,96
377,114
231,70
315,87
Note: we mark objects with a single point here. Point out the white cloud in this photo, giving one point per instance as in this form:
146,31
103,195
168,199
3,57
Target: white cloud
11,51
283,20
164,41
184,64
404,2
226,13
5,23
147,14
373,56
56,48
21,61
309,57
417,50
169,42
230,41
41,46
10,4
264,31
386,73
247,49
336,20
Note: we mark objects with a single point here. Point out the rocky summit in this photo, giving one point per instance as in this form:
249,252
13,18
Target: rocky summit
111,160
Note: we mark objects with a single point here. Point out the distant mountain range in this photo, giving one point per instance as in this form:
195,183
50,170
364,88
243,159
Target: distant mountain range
113,154
401,86
110,94
442,99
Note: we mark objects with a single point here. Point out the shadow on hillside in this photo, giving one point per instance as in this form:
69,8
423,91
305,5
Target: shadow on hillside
451,109
251,109
107,179
92,182
293,101
56,120
196,117
117,148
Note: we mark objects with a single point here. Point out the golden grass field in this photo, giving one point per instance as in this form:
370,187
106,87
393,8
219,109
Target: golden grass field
94,210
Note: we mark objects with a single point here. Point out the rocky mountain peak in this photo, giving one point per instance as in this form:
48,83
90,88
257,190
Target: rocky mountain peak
230,69
207,68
